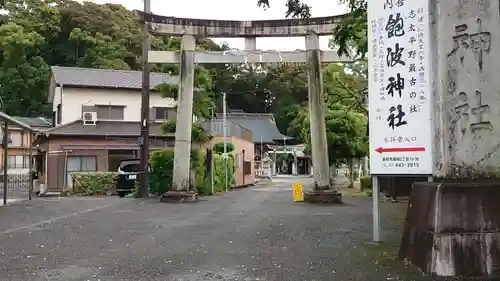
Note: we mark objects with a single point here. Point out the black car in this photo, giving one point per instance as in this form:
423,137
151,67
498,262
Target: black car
128,173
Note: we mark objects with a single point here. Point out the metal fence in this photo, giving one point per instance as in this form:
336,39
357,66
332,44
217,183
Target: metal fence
18,185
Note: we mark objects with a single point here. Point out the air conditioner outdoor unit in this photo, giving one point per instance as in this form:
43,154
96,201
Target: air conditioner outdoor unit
89,118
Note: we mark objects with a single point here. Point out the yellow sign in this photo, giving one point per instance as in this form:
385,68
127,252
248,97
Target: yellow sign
298,192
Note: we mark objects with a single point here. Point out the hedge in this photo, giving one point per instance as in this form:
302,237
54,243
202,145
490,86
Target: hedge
162,164
94,183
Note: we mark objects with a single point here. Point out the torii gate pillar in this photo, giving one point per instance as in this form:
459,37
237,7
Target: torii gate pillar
317,115
181,177
311,29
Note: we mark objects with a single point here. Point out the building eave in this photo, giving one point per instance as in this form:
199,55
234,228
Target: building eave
97,87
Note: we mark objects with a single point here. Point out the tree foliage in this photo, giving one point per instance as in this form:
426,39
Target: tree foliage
282,90
345,86
23,71
36,34
345,129
203,103
199,133
219,147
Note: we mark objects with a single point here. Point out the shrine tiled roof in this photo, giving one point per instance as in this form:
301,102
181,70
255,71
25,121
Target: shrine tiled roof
262,126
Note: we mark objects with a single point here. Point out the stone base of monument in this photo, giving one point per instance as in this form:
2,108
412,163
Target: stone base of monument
453,228
179,197
329,196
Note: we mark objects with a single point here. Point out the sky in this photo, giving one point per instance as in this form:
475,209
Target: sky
238,10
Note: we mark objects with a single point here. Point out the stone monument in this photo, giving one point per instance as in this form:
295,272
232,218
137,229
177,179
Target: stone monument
453,224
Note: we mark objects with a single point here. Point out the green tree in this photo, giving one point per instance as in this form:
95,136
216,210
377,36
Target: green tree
99,36
22,71
277,89
347,84
219,147
69,33
288,85
345,128
199,134
101,51
282,90
203,104
345,133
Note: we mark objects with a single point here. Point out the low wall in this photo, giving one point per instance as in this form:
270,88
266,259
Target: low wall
453,229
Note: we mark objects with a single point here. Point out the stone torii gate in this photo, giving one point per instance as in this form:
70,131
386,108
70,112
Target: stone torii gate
190,29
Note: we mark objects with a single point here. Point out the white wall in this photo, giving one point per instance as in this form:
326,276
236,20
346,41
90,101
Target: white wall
74,98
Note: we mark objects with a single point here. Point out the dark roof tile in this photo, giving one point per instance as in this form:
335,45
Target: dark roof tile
34,121
9,119
262,125
107,78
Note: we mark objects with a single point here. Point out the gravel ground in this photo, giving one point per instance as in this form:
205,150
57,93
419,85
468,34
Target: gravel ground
249,234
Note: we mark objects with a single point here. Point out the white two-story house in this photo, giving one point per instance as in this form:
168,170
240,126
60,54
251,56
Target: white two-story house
97,120
111,94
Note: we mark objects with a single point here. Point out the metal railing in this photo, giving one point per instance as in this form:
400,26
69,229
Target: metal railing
18,185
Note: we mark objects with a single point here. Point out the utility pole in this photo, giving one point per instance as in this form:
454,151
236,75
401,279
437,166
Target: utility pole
224,112
5,146
146,83
285,153
212,153
261,155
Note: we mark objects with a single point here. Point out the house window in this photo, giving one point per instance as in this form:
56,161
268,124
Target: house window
161,113
79,164
110,112
82,164
15,138
239,160
17,162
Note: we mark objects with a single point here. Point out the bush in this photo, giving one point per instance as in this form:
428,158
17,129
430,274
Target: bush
94,183
202,181
366,183
219,147
162,168
219,176
162,165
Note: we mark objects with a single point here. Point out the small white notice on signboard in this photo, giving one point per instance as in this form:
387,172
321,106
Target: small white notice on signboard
399,87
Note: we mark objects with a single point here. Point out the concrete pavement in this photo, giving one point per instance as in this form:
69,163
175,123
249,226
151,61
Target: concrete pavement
249,234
